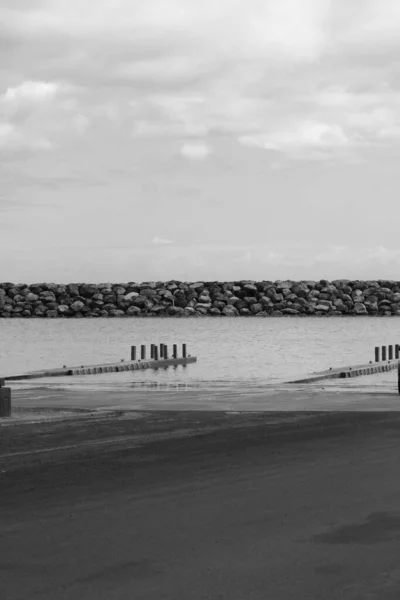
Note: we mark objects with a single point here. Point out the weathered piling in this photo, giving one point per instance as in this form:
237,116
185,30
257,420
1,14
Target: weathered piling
152,350
143,352
5,400
155,350
398,377
165,351
377,354
161,350
133,352
396,351
383,352
390,357
184,351
175,351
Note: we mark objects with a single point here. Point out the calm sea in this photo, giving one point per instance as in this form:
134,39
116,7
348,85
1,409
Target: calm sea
231,352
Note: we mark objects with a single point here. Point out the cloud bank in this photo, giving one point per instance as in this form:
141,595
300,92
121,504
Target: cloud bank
313,79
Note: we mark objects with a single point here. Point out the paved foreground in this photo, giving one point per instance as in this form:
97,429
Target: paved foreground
308,508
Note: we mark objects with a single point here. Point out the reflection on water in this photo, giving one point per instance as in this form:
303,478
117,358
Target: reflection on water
232,353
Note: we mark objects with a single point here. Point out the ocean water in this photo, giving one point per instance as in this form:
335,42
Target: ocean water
231,352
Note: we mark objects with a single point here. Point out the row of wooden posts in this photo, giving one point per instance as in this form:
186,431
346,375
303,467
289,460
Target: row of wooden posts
158,351
387,352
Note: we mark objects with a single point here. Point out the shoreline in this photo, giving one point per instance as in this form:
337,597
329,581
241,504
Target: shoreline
49,425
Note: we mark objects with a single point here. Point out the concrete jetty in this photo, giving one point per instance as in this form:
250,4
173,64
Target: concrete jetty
131,365
351,371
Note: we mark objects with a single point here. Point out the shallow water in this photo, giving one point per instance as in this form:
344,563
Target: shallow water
232,352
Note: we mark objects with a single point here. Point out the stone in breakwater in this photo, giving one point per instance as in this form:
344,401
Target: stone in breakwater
183,299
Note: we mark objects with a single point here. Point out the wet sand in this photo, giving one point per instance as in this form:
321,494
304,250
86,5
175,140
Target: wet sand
200,505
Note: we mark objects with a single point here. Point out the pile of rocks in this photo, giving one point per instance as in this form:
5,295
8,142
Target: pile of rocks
175,298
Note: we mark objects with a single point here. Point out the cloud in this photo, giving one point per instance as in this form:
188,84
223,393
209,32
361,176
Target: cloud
30,91
294,78
33,114
195,151
161,241
303,136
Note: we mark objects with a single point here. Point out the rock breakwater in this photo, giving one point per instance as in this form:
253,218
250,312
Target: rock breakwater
181,299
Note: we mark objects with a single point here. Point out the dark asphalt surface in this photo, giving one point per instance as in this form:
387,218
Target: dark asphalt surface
286,512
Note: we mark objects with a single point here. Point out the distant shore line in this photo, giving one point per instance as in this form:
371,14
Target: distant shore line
174,298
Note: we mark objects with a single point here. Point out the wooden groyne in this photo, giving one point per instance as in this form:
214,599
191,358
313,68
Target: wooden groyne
155,362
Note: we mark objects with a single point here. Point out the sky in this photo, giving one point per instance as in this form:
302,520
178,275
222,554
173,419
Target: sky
212,140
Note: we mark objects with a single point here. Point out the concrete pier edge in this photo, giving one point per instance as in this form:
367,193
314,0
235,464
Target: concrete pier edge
109,368
351,371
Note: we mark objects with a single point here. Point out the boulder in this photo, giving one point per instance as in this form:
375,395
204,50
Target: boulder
72,289
205,305
359,308
119,290
158,309
132,311
148,293
250,287
219,305
281,285
13,291
204,298
327,303
116,313
230,311
322,307
52,306
77,306
256,308
87,290
177,310
233,300
122,303
32,297
250,300
198,287
63,309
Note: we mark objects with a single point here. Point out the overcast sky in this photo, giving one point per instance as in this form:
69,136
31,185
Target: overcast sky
213,139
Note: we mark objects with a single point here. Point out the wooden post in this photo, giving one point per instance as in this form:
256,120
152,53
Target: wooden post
175,351
390,352
396,351
133,352
165,351
155,352
5,400
383,352
398,377
143,352
377,352
161,350
183,350
152,351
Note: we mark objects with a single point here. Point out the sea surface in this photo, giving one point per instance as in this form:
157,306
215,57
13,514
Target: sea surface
231,352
